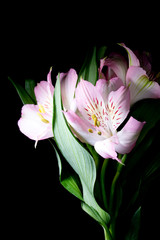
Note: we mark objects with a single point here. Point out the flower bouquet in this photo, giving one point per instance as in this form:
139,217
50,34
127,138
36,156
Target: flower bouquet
102,124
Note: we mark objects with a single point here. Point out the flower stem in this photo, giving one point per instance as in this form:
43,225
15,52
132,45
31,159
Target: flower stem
113,185
103,171
107,234
112,193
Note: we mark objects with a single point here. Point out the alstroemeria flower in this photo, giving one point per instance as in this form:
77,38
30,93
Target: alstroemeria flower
36,120
132,75
102,110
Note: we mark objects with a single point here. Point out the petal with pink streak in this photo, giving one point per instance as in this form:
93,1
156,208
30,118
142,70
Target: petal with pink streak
89,100
106,148
68,83
81,128
31,125
133,60
128,136
140,86
118,106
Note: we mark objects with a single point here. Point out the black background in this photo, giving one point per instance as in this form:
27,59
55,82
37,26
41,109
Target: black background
34,38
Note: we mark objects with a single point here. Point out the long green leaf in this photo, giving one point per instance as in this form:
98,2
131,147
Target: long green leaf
133,232
95,215
24,96
77,156
89,70
29,87
68,178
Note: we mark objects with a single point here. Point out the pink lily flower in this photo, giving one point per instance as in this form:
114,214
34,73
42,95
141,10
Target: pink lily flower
36,120
101,110
131,75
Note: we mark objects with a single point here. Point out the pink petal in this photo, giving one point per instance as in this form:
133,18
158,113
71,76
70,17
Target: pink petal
102,88
41,91
49,80
68,84
118,106
105,87
50,85
106,148
133,60
44,94
114,84
44,90
31,125
140,86
88,99
81,128
118,65
128,135
102,64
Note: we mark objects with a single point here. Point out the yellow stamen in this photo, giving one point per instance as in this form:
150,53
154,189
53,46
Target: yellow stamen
90,130
99,133
41,108
96,122
93,116
42,118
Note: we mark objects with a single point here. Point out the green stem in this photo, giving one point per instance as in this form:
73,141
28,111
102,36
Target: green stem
103,171
112,193
107,234
113,185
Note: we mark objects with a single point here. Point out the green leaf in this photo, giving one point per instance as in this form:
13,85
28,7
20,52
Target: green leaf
75,154
29,87
89,70
134,226
95,215
101,53
149,111
24,96
68,177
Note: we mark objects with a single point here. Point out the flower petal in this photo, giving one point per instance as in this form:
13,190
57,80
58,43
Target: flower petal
102,88
140,86
88,99
118,106
31,124
118,65
106,148
83,129
105,87
128,135
44,94
68,84
133,60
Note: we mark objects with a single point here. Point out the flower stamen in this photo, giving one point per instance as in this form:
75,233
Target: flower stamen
41,108
96,122
42,118
90,130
